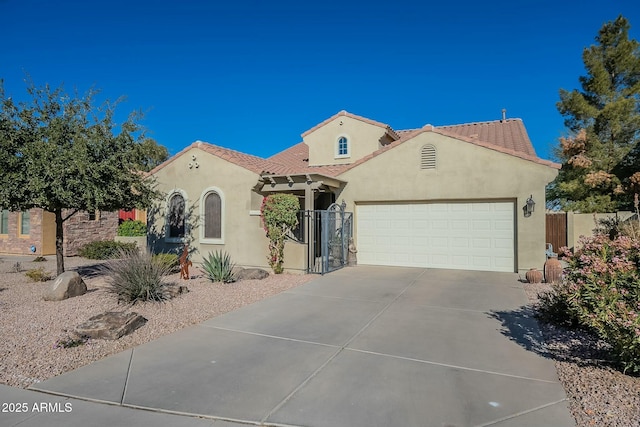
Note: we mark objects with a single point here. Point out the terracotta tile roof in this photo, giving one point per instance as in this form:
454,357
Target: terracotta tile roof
247,161
509,134
295,155
296,159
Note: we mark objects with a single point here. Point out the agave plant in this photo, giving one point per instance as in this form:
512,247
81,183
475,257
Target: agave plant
218,267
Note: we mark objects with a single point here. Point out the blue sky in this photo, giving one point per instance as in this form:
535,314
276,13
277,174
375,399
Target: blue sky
253,75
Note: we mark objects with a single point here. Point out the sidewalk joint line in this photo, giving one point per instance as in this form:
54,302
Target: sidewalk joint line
528,411
446,365
126,381
340,350
271,336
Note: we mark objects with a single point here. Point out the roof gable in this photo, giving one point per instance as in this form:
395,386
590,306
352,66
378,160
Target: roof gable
344,113
255,164
505,136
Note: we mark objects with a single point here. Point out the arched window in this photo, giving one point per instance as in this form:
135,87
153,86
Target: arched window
212,214
342,146
428,157
176,217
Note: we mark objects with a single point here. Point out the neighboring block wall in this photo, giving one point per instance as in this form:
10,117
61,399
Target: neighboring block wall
579,225
80,230
12,243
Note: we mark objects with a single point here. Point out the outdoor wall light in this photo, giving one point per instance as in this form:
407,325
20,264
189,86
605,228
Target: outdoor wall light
529,207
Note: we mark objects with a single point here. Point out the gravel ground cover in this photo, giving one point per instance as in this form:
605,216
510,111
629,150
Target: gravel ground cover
31,328
598,394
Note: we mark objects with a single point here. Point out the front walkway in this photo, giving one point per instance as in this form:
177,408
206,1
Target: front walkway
364,346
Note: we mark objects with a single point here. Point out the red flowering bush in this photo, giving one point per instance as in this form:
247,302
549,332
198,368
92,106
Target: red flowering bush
279,215
601,291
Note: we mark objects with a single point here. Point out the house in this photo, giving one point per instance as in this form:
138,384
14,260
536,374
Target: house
437,196
33,232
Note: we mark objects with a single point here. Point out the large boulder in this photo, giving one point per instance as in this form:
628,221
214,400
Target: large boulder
251,274
110,325
67,285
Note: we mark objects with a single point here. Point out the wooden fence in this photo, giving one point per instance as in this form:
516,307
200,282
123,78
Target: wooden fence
556,226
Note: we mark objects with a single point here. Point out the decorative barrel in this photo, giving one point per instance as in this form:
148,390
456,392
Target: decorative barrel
534,275
552,270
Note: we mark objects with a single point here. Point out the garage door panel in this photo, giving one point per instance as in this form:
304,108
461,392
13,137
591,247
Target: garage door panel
475,236
482,243
482,263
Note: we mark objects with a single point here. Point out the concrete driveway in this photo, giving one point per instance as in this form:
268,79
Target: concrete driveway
364,346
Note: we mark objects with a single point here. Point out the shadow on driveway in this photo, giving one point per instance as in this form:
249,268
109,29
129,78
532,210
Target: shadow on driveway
550,341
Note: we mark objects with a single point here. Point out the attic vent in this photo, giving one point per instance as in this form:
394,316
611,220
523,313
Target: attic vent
428,157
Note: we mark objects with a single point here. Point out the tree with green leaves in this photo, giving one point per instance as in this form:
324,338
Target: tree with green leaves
600,157
64,154
279,215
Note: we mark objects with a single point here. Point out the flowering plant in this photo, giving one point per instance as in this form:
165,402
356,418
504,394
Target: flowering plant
279,215
601,291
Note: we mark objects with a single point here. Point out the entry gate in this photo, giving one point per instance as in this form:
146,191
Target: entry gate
328,236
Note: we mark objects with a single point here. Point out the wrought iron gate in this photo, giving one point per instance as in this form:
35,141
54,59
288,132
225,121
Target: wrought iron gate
328,234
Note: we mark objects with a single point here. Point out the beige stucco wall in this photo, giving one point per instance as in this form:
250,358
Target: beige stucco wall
244,238
364,139
583,224
464,172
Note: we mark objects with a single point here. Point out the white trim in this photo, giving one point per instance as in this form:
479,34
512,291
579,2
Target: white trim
255,212
220,194
336,147
186,219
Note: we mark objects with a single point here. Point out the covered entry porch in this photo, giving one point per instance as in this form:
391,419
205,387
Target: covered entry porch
323,227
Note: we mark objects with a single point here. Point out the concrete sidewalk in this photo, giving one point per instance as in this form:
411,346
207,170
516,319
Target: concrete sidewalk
365,346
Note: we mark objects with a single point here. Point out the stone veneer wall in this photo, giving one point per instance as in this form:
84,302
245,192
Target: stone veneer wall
12,243
80,230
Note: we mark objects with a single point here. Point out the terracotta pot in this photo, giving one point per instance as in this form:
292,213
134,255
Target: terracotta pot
552,270
534,275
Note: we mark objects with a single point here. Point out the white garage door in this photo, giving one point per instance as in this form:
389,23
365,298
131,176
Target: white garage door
465,236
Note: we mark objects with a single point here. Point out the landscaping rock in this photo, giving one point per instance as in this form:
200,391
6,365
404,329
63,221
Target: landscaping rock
67,285
252,274
175,290
110,325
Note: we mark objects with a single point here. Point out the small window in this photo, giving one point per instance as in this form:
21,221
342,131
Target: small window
93,215
428,157
25,223
342,147
4,221
176,217
213,216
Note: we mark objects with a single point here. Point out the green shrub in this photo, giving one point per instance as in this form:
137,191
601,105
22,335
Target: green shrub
131,228
601,292
171,261
219,268
134,277
39,259
279,215
38,275
105,249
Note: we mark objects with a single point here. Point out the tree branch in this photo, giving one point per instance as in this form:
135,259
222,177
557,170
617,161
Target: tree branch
75,211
